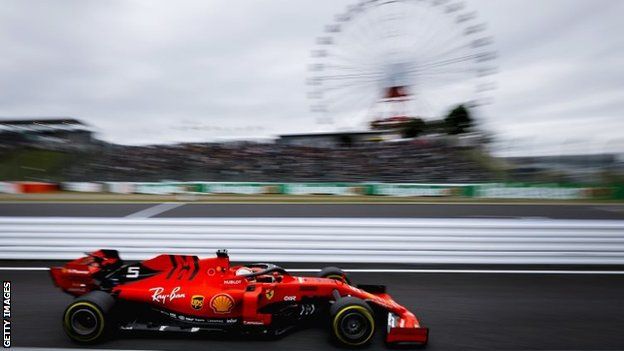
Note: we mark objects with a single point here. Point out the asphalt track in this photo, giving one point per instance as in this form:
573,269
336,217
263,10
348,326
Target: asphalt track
464,312
430,210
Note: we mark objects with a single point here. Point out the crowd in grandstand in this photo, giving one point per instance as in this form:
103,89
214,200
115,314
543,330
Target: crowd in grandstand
405,161
64,149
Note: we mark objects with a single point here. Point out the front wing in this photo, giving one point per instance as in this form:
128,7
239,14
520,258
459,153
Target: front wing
404,329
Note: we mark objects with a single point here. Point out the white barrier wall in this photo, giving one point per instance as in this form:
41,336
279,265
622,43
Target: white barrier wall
120,187
8,188
320,188
83,187
465,241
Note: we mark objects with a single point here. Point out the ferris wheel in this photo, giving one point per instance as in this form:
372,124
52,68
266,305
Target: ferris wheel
393,59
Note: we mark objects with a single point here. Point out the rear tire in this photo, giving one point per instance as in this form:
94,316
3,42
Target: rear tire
334,273
87,319
352,322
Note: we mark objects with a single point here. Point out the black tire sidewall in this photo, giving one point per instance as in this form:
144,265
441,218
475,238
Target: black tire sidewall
345,307
101,329
334,273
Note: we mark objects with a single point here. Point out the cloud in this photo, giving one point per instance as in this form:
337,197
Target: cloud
153,71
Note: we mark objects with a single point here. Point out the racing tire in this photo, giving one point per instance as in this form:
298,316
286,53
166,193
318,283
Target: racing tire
87,320
352,322
334,273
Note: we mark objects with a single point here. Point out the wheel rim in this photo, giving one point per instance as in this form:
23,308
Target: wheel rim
84,322
353,326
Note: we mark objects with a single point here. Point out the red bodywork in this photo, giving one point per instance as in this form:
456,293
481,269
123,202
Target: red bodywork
211,288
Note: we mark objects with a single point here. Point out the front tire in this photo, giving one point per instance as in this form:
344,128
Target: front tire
87,319
352,322
334,273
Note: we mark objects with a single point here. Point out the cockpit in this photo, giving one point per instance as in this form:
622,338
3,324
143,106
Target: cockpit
262,273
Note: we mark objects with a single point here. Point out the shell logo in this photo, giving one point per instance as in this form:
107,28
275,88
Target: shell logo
222,303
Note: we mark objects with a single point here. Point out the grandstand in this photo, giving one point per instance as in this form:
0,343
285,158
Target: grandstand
51,133
64,149
339,139
402,161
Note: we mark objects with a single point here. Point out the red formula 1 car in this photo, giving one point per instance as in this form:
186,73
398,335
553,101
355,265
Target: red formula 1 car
186,294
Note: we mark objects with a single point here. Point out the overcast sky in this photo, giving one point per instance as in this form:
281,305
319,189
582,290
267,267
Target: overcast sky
167,71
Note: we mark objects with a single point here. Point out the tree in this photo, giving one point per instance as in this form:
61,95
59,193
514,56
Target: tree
413,128
459,121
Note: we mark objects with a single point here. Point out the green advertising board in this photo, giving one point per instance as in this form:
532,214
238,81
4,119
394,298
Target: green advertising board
325,189
424,190
486,191
240,188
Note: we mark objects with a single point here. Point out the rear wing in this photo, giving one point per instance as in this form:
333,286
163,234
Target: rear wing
82,275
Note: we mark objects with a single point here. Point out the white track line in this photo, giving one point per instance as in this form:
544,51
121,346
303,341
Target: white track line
156,210
55,349
467,271
398,270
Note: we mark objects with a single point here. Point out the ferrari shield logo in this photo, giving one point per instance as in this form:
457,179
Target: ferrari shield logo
197,302
269,294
